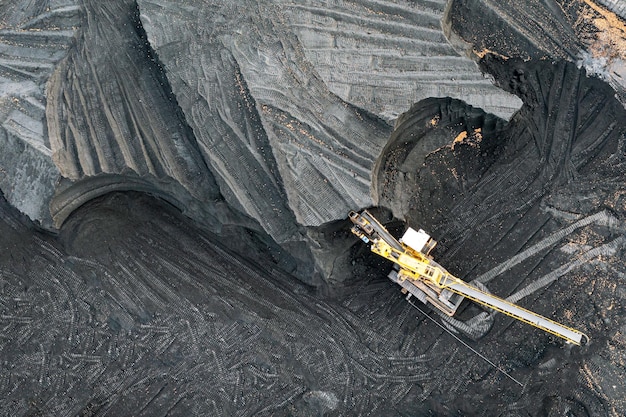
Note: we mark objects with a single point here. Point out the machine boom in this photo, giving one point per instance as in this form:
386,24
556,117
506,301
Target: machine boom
419,275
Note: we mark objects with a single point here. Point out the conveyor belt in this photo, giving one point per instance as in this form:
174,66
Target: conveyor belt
382,232
503,306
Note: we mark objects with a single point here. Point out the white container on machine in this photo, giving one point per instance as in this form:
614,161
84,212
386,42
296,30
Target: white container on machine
418,240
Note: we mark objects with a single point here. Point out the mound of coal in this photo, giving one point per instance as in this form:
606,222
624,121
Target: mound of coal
263,123
133,310
532,208
270,120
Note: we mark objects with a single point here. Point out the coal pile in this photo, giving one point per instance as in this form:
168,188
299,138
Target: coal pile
175,180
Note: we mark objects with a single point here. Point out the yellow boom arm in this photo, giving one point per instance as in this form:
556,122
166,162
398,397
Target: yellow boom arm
420,275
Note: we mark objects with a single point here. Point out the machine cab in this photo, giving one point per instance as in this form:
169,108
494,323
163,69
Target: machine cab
418,240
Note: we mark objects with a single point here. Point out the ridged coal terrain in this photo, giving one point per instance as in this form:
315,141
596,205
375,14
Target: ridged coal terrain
175,179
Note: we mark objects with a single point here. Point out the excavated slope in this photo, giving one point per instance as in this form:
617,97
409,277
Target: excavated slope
384,56
271,120
34,38
293,141
112,123
590,33
238,120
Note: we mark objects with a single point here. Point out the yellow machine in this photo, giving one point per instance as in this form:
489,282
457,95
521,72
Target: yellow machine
420,276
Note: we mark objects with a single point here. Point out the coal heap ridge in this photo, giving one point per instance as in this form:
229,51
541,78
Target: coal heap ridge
239,290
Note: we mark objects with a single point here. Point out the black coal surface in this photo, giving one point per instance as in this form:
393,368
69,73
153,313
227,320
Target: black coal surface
133,309
533,208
